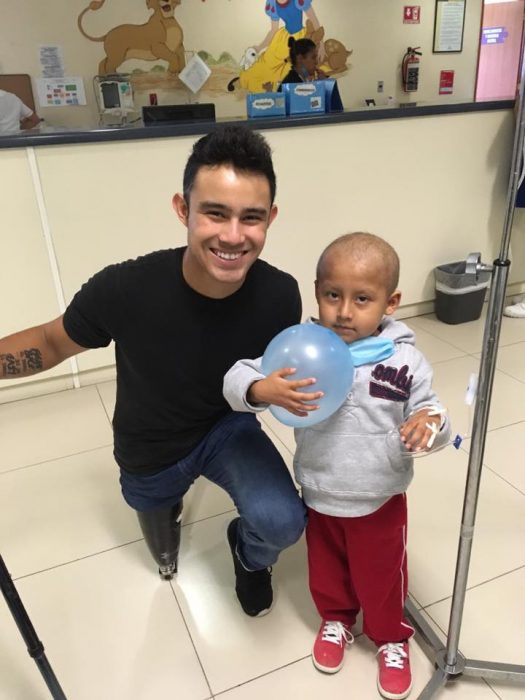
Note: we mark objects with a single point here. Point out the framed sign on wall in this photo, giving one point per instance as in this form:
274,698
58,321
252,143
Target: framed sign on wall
449,23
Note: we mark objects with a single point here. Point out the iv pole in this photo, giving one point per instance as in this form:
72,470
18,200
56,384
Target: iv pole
35,648
450,664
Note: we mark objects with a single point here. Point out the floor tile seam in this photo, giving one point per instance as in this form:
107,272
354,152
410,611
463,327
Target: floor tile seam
110,549
414,599
493,470
487,681
509,375
55,392
37,396
212,694
450,359
278,668
509,345
501,345
57,459
446,342
208,517
73,561
277,437
262,675
505,481
475,586
499,369
104,406
499,427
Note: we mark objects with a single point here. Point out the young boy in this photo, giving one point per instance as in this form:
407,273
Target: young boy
355,466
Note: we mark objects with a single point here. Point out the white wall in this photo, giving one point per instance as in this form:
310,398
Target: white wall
433,186
372,29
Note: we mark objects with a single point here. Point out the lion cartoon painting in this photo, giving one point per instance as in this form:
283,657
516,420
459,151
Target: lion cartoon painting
161,37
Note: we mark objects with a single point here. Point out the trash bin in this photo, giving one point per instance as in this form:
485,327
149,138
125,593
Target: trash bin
459,294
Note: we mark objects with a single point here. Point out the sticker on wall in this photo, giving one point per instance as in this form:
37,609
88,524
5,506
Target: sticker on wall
446,82
411,14
493,35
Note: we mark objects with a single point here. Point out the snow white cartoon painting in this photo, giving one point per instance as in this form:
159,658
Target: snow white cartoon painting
266,64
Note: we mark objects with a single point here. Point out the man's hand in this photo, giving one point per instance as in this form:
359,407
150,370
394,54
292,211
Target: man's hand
279,391
415,433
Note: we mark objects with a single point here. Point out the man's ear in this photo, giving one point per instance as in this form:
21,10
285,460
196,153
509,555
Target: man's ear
181,208
273,213
393,302
316,287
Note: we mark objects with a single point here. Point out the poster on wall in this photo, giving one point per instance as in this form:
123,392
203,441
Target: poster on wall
51,61
61,92
449,23
446,82
411,14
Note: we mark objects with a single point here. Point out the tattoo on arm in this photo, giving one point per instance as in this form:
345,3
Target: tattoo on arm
21,363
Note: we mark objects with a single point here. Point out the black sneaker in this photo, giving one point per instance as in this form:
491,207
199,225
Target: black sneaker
253,588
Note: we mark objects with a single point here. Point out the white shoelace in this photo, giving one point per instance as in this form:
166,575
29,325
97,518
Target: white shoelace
336,632
394,655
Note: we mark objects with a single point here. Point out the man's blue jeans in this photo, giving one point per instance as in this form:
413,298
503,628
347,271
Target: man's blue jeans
240,458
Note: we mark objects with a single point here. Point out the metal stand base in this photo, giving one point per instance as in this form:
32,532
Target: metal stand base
450,664
445,672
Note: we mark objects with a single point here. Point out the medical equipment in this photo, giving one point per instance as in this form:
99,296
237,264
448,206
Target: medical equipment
114,95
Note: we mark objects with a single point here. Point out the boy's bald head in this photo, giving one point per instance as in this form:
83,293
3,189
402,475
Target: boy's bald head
365,248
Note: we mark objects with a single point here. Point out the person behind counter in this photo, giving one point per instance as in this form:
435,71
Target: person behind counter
14,114
304,59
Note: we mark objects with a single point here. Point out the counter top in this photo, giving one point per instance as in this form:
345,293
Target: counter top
45,135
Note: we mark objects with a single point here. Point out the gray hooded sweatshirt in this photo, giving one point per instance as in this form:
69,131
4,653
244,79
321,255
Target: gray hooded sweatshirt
351,463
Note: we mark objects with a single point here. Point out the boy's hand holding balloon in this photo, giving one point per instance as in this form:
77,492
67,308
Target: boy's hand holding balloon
318,356
278,390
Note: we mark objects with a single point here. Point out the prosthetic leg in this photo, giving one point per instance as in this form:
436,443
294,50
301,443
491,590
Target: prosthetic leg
161,530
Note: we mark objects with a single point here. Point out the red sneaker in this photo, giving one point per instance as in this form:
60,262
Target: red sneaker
329,646
394,678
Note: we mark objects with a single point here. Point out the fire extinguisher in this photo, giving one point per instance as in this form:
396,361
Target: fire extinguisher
410,69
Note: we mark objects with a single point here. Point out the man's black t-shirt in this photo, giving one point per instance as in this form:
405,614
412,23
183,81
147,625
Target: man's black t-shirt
173,347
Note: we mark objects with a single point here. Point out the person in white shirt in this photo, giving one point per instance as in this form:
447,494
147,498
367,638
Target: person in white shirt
14,114
515,310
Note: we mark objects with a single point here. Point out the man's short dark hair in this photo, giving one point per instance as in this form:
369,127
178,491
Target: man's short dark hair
241,148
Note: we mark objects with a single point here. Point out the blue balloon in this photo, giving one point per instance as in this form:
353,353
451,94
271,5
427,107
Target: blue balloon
314,351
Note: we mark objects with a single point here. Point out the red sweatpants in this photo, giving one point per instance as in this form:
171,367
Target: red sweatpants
360,563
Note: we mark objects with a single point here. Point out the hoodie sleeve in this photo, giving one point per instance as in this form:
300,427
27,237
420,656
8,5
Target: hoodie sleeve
238,380
423,396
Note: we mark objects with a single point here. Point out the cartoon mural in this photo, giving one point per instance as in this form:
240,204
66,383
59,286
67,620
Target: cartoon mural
160,42
260,71
161,37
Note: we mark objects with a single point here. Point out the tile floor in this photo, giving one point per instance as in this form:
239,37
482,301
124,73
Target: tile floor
113,631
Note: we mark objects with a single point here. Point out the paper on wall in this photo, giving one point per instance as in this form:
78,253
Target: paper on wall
195,74
52,61
61,92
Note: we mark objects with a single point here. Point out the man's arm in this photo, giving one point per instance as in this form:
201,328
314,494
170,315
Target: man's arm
29,122
36,349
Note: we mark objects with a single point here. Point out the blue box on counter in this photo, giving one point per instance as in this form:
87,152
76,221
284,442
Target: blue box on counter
304,98
332,96
317,96
266,104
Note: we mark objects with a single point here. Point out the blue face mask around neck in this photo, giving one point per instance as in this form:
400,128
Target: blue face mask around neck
369,350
